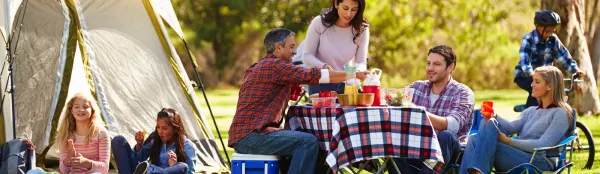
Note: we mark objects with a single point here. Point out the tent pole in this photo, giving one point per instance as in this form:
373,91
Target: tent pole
12,94
201,86
10,66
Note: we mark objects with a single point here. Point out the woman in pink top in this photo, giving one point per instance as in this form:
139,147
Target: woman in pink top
336,37
82,138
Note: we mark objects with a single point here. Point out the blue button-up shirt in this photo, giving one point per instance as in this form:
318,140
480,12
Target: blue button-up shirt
189,150
535,53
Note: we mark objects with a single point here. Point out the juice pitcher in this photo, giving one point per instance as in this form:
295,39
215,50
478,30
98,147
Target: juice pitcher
372,84
350,88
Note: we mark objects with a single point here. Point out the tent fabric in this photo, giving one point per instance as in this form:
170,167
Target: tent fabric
118,51
7,8
38,60
165,10
134,74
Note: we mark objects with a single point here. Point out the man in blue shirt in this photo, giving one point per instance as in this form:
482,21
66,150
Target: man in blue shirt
541,47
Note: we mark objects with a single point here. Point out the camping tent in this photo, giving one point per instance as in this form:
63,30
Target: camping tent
118,51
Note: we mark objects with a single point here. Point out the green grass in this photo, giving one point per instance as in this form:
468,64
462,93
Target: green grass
223,104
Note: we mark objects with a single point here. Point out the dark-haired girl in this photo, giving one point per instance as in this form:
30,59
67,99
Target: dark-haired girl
167,148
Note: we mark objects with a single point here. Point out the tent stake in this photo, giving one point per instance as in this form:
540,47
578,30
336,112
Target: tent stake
201,86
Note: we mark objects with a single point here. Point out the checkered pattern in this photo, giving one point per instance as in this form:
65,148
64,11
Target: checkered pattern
456,100
534,53
318,122
359,134
264,95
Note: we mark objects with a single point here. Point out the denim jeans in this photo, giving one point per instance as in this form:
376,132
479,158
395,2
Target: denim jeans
123,154
525,83
450,148
303,147
483,150
178,168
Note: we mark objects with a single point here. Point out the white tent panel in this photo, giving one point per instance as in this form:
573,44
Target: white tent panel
8,14
131,66
133,75
166,11
39,61
7,8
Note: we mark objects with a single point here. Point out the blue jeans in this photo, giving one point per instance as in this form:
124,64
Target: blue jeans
123,154
303,147
178,168
337,87
483,150
450,147
525,83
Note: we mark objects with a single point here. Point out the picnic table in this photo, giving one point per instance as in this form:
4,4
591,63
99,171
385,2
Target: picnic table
353,134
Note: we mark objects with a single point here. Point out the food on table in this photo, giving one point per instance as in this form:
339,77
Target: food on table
323,102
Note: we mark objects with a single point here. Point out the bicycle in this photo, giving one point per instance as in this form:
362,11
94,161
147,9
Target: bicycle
585,142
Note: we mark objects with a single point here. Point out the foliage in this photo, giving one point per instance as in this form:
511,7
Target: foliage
226,36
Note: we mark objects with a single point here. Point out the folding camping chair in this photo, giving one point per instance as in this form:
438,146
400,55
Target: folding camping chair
557,153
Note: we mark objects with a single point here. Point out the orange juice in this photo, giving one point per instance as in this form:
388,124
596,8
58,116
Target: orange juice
350,90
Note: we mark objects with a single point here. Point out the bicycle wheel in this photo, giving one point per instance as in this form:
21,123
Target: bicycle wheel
584,142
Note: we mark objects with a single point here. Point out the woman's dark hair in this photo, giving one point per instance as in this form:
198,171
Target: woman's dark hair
179,135
358,23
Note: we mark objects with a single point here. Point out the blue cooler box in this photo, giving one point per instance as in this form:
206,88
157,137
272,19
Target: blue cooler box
254,164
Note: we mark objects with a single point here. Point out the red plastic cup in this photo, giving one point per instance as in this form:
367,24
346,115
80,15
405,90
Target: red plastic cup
325,94
295,92
487,109
376,90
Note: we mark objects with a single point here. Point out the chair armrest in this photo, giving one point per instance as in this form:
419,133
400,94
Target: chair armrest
562,143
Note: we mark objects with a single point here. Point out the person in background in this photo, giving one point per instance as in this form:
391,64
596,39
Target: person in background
541,47
335,38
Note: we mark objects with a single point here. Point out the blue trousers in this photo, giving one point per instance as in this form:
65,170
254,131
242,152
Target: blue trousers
525,84
303,147
483,152
450,148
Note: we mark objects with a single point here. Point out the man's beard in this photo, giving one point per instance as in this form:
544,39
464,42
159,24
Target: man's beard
440,77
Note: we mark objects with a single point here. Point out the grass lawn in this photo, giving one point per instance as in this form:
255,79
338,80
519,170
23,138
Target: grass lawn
223,104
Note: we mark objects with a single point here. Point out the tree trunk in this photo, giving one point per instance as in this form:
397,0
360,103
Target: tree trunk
592,31
572,35
595,49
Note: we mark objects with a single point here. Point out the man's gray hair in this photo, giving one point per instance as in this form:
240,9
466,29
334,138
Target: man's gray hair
276,36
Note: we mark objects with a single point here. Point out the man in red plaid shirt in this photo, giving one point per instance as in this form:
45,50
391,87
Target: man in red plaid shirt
264,93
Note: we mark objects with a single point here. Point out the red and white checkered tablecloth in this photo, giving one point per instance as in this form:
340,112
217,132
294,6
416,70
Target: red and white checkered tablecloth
357,134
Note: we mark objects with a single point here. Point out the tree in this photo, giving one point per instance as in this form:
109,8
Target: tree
226,36
591,9
572,35
595,49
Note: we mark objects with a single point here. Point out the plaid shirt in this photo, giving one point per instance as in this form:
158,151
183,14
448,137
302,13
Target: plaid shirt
264,94
456,100
534,54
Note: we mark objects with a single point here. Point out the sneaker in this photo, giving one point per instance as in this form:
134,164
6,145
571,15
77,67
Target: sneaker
142,168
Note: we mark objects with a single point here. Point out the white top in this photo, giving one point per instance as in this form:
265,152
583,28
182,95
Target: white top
334,46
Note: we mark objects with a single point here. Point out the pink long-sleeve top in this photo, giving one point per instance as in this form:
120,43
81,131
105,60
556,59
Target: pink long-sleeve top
334,46
97,150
